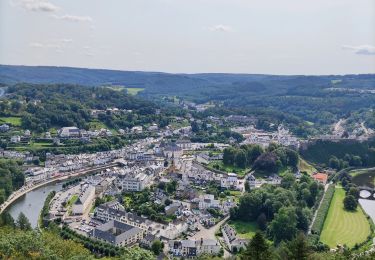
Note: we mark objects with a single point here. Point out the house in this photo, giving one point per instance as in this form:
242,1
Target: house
15,139
230,238
174,229
172,208
147,240
229,181
203,158
67,132
183,144
107,212
4,128
320,177
137,129
207,201
27,133
193,248
85,198
173,151
102,186
153,127
133,181
117,233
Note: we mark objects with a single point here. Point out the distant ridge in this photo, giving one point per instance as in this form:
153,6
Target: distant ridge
160,82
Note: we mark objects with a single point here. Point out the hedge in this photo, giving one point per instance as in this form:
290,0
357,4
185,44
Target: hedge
323,210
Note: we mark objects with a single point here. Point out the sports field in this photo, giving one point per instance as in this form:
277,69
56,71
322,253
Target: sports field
344,227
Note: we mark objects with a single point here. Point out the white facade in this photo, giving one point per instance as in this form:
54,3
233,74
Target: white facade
84,200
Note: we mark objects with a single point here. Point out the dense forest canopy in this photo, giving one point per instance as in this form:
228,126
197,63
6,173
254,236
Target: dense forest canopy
44,106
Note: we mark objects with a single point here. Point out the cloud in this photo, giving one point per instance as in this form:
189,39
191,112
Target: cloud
220,28
66,40
57,44
361,49
73,18
88,51
37,5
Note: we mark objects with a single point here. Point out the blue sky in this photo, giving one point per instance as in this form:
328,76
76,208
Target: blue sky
239,36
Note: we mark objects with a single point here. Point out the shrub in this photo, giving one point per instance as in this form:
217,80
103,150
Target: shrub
323,210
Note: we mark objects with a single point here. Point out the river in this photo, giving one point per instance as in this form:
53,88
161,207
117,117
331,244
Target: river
369,207
32,203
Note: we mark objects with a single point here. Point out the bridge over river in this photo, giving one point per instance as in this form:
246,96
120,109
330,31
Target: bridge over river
366,192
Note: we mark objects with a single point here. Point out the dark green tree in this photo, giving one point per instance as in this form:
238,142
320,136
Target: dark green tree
257,249
350,203
23,222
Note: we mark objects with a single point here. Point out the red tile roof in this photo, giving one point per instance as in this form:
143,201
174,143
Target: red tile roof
320,177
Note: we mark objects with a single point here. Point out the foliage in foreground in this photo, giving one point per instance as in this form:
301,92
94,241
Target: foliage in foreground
18,244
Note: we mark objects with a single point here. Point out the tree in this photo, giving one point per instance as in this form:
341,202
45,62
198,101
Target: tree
267,162
6,220
299,248
257,249
194,127
354,191
350,203
293,158
284,225
23,222
240,159
247,186
262,221
229,155
334,163
303,218
287,181
157,247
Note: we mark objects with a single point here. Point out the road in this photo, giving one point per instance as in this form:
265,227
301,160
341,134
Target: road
209,233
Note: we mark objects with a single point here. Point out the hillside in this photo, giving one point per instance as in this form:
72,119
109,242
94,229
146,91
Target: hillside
306,104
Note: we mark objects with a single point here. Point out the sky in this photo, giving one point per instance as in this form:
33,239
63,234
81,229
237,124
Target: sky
190,36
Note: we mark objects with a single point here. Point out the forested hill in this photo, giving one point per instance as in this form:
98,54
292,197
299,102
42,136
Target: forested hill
300,102
177,84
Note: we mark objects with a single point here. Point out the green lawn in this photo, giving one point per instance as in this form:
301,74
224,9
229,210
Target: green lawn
228,168
134,91
245,230
306,167
72,200
14,121
344,227
96,125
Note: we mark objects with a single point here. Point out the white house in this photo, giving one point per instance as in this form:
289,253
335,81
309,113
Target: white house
86,197
69,132
207,201
229,181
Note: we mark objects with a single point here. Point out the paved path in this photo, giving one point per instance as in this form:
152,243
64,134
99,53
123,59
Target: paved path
209,233
25,189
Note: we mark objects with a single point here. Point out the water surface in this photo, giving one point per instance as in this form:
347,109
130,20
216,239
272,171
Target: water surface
32,203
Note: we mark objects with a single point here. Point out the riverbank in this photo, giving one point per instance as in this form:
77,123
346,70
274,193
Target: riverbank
26,189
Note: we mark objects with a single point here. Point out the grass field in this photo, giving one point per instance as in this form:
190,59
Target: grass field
245,230
72,200
134,91
344,227
14,121
306,167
